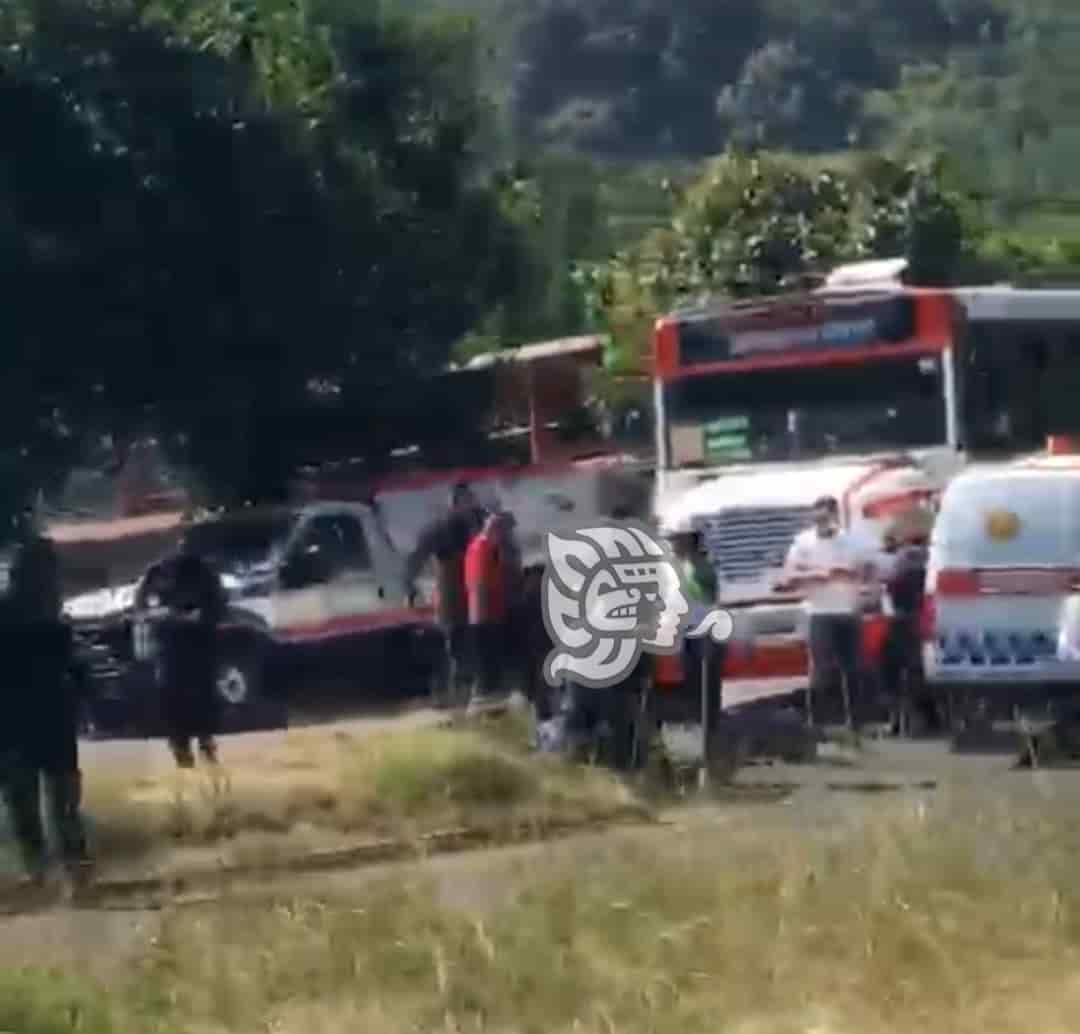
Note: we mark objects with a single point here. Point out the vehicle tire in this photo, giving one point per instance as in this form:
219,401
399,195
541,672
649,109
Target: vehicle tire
413,667
240,683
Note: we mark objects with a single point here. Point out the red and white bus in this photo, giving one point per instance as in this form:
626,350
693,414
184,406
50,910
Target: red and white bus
875,393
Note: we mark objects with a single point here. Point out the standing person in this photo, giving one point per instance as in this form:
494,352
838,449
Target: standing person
445,540
488,579
193,604
904,576
532,643
701,586
519,615
829,565
39,738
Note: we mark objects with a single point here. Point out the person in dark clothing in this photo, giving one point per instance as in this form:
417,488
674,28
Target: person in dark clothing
900,664
701,586
445,541
39,733
191,607
531,644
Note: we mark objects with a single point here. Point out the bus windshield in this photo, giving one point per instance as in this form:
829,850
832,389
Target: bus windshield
805,412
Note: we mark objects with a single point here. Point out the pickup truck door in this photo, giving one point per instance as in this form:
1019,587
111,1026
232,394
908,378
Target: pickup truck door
353,600
299,611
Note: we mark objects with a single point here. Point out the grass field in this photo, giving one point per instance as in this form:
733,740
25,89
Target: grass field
326,789
959,917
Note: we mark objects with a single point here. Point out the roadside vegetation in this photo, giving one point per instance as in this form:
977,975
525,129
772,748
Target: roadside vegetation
955,917
322,790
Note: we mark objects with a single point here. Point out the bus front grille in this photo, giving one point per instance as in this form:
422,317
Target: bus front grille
744,544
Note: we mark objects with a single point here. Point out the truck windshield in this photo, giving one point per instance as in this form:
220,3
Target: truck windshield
240,541
805,412
1045,509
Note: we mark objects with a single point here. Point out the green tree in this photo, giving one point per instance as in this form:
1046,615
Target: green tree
760,224
189,251
1005,110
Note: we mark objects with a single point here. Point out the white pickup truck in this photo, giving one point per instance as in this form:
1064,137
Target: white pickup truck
317,589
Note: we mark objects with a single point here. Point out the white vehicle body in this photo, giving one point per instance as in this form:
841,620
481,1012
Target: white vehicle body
364,589
749,512
315,586
748,519
1003,573
544,498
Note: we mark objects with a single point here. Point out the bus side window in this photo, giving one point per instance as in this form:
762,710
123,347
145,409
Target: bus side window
1004,397
1061,386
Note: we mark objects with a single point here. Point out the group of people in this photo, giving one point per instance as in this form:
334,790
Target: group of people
486,606
489,610
490,613
49,687
831,567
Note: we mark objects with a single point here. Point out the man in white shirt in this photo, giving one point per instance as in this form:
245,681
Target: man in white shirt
830,566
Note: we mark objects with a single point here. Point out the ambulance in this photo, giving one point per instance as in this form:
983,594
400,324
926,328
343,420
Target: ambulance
1000,629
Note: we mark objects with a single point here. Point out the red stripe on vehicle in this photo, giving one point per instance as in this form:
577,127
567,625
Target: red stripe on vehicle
889,505
353,624
865,479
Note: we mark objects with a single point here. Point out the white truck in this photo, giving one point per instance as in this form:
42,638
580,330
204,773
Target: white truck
316,588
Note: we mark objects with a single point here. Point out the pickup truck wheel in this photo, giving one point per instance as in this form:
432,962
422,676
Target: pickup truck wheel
239,681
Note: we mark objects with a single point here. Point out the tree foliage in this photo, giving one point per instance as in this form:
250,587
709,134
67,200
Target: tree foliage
759,224
205,213
653,77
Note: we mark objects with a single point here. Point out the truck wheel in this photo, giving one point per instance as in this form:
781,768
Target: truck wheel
239,684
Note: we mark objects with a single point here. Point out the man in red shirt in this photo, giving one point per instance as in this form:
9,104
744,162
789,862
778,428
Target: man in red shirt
486,582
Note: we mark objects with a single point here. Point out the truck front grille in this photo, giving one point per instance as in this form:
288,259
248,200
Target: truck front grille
744,544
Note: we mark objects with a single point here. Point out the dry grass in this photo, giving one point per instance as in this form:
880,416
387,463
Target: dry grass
961,919
326,789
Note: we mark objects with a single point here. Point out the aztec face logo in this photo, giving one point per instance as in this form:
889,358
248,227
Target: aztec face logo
611,593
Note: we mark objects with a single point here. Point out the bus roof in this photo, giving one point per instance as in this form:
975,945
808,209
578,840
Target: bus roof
991,302
713,306
1005,302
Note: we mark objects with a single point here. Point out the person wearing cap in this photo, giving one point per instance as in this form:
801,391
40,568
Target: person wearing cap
489,578
445,541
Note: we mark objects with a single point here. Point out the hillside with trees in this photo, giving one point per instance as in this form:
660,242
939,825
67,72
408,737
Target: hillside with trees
257,228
